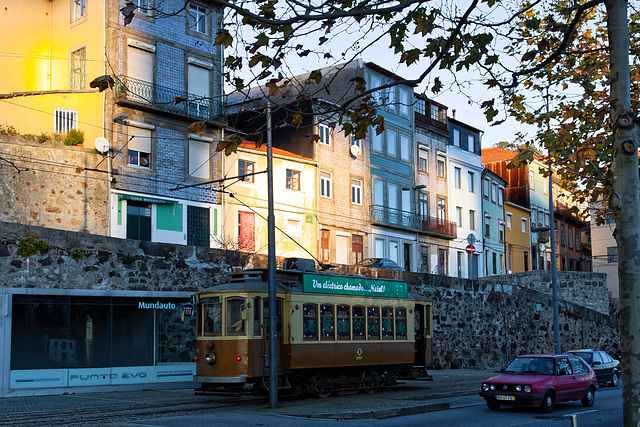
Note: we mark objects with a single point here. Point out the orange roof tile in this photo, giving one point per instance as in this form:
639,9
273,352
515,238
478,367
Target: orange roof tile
250,145
495,154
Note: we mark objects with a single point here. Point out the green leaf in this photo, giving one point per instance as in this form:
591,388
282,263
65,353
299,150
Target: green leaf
531,55
316,76
261,40
223,38
533,23
410,56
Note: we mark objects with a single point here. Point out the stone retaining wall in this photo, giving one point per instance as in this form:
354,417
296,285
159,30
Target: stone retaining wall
477,323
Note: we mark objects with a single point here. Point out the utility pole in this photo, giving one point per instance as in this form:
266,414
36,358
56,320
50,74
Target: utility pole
271,265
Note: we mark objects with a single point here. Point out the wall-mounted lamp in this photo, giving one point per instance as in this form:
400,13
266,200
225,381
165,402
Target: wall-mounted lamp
121,118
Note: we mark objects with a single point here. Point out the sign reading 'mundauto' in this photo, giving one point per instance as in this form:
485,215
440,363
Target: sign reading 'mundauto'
354,286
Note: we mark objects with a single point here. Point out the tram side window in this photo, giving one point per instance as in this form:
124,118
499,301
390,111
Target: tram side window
236,316
387,323
326,322
265,316
373,323
401,323
309,322
342,322
256,316
358,322
213,319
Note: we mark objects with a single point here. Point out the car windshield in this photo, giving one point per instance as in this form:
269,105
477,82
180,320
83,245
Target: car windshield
588,357
531,366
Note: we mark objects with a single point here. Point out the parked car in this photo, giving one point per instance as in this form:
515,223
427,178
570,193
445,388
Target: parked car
608,369
541,380
380,263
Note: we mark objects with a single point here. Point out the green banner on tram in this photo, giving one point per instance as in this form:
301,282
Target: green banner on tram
354,286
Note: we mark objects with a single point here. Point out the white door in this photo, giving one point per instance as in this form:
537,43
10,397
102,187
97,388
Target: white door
342,245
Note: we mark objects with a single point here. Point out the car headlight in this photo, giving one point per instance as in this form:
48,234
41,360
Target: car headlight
210,358
493,386
485,387
527,389
518,387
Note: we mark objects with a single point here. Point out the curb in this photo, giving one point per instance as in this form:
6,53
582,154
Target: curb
380,414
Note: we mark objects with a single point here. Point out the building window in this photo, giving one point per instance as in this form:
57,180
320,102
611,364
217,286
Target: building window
377,95
64,120
424,259
500,196
377,141
459,216
198,18
421,107
501,233
509,218
392,143
357,248
404,102
79,9
472,219
494,193
485,188
198,226
532,182
441,167
142,6
199,159
442,261
456,177
472,186
612,254
245,170
442,209
524,225
472,143
487,226
405,147
423,204
570,238
456,138
325,184
325,133
356,192
356,142
139,147
423,155
293,179
78,69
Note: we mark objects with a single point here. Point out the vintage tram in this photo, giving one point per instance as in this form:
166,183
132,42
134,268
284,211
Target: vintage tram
334,331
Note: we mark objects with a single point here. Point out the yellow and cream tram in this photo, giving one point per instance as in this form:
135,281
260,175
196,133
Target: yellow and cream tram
334,332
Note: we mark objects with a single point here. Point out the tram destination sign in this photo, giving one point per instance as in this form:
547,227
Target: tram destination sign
354,286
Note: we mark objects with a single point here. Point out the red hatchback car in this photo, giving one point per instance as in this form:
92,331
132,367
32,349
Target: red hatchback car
541,380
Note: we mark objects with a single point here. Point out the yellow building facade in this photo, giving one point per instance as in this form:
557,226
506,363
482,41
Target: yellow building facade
53,49
294,197
518,229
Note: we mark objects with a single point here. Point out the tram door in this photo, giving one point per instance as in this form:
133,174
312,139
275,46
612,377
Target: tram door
424,337
267,335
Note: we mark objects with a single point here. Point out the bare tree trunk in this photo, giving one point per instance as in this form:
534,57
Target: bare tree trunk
626,204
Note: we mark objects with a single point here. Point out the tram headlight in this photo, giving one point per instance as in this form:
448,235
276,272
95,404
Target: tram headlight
210,358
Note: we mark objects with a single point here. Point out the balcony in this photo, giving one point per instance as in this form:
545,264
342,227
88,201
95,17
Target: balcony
148,96
396,218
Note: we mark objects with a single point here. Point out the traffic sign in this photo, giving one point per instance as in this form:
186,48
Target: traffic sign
471,249
471,238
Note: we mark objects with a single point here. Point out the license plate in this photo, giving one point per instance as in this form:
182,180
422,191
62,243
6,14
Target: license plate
501,397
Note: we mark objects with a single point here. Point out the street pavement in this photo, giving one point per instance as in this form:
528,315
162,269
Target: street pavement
449,388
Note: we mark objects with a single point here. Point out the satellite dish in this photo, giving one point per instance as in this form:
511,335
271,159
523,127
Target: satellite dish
355,150
102,144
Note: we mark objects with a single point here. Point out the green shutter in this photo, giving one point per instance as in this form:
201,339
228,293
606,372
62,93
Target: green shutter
169,217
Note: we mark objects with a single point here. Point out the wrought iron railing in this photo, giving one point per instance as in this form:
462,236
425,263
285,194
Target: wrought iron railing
408,220
166,99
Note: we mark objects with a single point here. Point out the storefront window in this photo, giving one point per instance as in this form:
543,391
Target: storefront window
52,332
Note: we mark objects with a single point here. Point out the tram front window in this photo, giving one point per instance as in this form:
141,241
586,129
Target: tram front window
213,319
236,316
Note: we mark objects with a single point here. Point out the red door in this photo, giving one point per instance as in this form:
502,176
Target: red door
246,232
324,245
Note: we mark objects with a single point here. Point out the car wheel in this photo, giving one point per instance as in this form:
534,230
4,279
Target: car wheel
493,406
589,397
548,402
615,379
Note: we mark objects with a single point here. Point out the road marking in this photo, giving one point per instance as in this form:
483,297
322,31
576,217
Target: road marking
581,413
